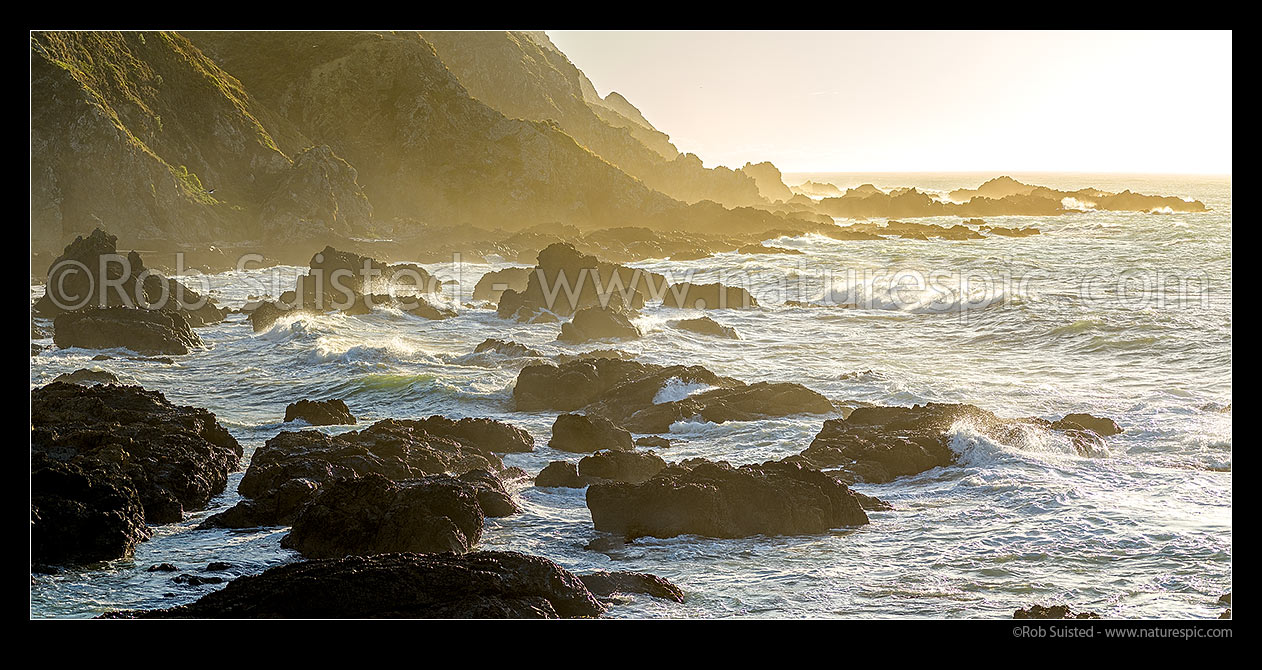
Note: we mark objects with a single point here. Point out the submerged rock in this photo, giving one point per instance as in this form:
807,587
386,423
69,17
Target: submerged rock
706,326
100,453
85,376
1101,426
478,585
605,584
719,500
290,469
141,330
580,433
1052,612
373,515
320,412
506,348
655,441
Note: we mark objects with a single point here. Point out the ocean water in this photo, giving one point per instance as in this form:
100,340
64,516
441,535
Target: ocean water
1126,315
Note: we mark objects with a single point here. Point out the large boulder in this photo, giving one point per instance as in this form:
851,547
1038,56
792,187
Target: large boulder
101,449
720,405
478,585
599,323
373,515
580,433
90,273
288,471
144,331
320,412
719,500
560,474
578,383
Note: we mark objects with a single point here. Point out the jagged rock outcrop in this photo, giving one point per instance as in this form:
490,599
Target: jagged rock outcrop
769,181
91,274
320,412
87,377
316,200
566,281
479,585
98,451
718,500
287,472
632,467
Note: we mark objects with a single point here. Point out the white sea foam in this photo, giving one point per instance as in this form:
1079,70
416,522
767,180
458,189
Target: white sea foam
676,389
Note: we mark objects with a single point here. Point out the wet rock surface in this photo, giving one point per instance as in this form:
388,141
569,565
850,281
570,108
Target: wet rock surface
719,500
100,453
1052,612
604,584
320,412
706,326
581,433
478,585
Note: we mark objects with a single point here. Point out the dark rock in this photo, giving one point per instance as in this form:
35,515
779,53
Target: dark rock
707,296
218,566
141,330
718,500
478,585
580,433
429,310
373,515
87,377
632,467
597,323
116,445
506,348
493,497
162,567
320,412
560,474
565,281
706,326
1225,599
287,471
197,580
81,514
604,584
654,441
720,405
1052,612
1099,425
872,503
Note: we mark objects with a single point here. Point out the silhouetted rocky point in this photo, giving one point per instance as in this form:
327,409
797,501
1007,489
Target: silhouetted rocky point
320,412
706,326
581,433
374,515
493,284
90,273
106,460
719,500
877,444
1052,612
289,470
478,585
604,584
144,331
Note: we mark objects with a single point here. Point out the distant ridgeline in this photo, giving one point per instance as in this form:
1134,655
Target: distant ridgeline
283,143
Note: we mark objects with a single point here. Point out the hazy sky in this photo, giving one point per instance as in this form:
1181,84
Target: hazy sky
927,101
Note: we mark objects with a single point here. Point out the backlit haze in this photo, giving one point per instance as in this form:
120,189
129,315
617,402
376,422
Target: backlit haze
1126,102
